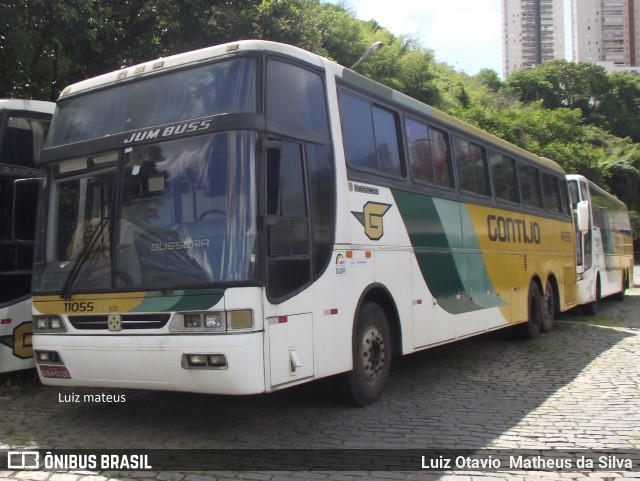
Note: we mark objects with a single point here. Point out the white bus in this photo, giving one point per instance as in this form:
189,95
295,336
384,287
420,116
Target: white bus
23,127
604,258
251,216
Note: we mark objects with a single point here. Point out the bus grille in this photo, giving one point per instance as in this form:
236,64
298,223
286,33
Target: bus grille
129,321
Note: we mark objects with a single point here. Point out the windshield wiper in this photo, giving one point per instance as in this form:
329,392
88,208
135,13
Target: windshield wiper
82,258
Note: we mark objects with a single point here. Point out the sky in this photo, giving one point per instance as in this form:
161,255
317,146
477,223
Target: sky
465,34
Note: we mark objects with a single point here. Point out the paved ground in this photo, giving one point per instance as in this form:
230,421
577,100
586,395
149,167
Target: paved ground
575,388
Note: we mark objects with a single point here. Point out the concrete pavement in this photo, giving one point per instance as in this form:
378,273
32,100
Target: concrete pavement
575,388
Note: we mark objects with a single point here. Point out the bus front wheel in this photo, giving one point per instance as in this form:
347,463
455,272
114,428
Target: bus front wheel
364,384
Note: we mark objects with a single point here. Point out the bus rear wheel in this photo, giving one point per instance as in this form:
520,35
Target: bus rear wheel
619,296
549,307
364,384
535,308
591,309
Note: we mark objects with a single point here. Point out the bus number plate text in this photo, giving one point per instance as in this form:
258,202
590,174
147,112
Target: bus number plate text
56,372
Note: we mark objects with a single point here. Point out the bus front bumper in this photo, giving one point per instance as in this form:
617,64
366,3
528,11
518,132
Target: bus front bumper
223,364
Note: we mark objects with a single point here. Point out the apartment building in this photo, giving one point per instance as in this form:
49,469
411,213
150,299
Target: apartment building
606,32
532,32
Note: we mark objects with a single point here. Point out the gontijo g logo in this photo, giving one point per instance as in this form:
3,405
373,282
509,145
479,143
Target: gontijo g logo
371,219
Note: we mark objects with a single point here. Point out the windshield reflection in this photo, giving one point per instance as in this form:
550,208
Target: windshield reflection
187,218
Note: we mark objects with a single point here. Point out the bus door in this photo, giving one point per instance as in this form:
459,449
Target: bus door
288,267
579,192
586,238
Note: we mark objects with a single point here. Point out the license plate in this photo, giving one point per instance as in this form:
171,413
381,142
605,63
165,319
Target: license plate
57,372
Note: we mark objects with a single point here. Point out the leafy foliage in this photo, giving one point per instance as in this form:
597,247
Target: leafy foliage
574,113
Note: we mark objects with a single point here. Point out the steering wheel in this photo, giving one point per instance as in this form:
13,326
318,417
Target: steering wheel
212,211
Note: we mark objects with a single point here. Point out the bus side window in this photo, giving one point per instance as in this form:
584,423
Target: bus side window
428,153
505,182
472,166
287,221
419,150
370,136
530,186
551,189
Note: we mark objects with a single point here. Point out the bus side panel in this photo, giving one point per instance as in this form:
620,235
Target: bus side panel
431,324
390,267
15,337
533,247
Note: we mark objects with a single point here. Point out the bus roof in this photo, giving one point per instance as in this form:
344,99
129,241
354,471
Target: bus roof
383,91
187,58
348,75
27,105
593,185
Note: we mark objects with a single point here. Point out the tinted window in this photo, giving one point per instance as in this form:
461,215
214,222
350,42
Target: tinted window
295,97
218,88
530,186
505,182
357,129
428,153
322,202
471,164
564,199
370,135
23,140
552,197
288,236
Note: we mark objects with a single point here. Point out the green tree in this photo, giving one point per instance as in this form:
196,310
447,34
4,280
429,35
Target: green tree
562,84
490,79
622,105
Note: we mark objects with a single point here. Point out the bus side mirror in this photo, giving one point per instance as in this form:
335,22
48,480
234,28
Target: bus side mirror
25,203
582,216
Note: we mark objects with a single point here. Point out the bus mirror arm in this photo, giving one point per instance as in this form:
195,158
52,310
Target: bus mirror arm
582,216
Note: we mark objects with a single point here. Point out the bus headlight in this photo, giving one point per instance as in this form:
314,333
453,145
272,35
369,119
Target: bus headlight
48,324
213,321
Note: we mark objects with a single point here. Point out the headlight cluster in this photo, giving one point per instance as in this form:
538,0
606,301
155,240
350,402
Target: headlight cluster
48,324
212,321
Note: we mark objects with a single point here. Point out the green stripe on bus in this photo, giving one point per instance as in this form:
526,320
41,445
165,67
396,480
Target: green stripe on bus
189,300
456,276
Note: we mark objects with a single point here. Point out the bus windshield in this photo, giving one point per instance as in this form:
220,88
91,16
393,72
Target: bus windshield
179,212
228,86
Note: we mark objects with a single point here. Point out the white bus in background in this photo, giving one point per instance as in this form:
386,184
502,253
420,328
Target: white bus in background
604,255
23,128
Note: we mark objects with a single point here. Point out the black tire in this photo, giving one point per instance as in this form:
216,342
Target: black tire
535,306
591,309
549,311
364,384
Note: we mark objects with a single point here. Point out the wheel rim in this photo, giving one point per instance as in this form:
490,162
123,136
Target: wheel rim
548,303
372,354
535,313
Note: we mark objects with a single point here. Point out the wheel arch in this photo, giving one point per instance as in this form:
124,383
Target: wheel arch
537,280
379,294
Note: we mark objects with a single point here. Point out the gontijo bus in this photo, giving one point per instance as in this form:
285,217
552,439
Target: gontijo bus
23,128
604,257
251,216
